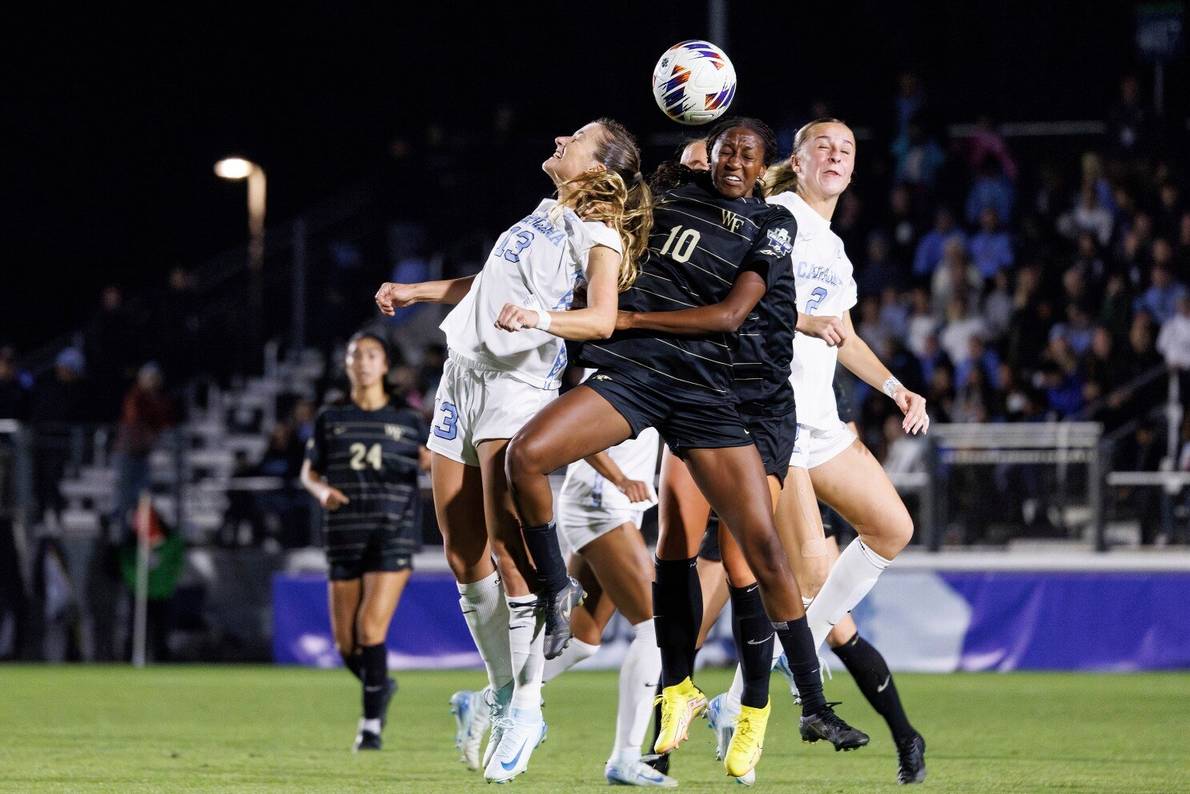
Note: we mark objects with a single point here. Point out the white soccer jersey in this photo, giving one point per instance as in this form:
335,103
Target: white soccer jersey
825,285
636,457
536,264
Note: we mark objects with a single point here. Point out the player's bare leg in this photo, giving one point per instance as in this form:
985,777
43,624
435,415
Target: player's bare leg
855,485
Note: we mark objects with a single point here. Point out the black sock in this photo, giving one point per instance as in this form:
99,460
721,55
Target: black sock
677,612
375,664
753,635
354,662
542,543
798,644
871,675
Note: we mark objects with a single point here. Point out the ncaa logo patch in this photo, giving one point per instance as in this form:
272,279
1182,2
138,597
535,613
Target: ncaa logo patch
779,243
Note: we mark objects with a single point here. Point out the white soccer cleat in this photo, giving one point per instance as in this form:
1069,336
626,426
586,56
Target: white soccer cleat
722,723
471,723
520,733
636,773
497,706
782,665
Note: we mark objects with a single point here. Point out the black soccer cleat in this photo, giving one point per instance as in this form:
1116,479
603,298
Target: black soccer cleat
659,762
558,607
911,753
828,725
366,740
390,689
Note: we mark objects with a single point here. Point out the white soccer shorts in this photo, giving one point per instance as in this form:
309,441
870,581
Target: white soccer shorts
814,447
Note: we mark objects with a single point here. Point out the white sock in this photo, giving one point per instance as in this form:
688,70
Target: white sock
853,575
486,614
371,726
638,685
526,640
729,707
575,652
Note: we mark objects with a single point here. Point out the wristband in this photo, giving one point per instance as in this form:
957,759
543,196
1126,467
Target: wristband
890,387
543,321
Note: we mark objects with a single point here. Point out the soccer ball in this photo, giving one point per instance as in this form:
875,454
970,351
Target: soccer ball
694,82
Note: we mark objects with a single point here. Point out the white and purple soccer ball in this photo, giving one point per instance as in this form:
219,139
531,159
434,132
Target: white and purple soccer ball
694,82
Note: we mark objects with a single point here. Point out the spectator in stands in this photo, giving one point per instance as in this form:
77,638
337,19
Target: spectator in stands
1076,331
961,325
1169,211
901,225
978,356
1088,216
911,101
932,358
997,307
985,143
918,157
1173,341
1032,314
1160,299
146,413
894,314
1182,257
112,339
940,396
991,247
61,399
930,247
972,398
990,190
922,322
1116,311
869,327
14,389
1128,126
955,278
1101,365
1088,261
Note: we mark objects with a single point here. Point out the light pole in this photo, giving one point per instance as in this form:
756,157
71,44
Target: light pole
236,168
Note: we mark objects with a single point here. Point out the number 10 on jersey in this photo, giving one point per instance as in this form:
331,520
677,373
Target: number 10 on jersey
681,243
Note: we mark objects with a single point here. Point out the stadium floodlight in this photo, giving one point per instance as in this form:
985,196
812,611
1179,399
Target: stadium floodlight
237,168
234,168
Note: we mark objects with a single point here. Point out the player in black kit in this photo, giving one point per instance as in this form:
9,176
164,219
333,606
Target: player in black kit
362,465
711,237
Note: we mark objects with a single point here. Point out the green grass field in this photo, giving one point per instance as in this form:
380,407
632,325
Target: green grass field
281,729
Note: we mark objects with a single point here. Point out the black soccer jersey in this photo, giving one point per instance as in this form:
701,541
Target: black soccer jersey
765,351
372,457
699,244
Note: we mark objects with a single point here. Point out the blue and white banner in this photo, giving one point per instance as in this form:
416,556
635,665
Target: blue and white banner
921,620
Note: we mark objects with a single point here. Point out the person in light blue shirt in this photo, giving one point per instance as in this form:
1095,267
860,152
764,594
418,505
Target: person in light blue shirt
991,249
930,247
1161,299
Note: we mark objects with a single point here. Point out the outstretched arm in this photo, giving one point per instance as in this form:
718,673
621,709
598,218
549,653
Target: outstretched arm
723,317
860,360
392,296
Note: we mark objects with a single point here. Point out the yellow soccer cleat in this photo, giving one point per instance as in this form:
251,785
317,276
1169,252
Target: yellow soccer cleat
681,704
748,740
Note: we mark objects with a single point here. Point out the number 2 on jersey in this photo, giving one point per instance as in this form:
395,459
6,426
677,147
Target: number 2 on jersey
362,457
816,298
683,244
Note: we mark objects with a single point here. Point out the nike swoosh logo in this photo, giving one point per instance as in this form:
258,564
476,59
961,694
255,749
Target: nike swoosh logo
650,778
762,642
508,766
884,686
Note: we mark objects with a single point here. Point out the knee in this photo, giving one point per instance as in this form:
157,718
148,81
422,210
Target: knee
523,458
371,632
766,559
465,559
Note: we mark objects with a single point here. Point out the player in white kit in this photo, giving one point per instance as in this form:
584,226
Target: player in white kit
494,382
829,462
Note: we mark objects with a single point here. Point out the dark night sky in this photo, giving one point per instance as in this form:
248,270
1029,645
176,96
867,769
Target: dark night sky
117,119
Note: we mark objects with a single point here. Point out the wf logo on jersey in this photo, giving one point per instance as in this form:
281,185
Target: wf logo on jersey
394,432
731,221
779,243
